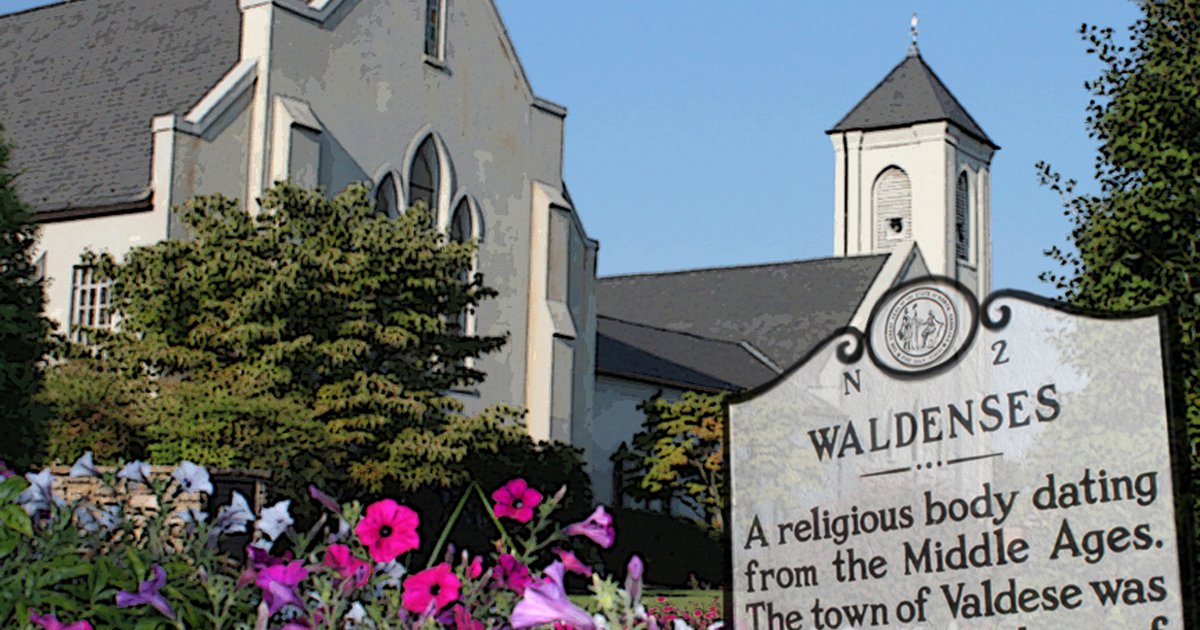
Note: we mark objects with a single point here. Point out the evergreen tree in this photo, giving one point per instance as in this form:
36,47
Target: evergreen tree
23,329
317,339
1136,238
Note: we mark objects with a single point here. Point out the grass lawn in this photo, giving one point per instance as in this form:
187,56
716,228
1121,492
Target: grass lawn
680,602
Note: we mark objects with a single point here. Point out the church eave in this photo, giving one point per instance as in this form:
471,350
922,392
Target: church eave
884,127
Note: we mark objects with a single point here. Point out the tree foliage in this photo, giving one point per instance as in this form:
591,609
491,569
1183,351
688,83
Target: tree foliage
679,454
318,339
1135,239
24,331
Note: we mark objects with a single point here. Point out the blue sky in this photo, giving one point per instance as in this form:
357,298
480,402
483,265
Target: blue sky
695,134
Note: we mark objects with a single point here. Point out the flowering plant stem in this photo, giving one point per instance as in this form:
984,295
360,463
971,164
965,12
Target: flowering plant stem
462,502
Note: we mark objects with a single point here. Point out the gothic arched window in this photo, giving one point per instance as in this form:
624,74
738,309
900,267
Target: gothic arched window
423,177
962,219
892,199
385,197
461,232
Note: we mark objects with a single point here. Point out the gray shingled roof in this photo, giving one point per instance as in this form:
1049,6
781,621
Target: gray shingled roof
629,349
911,93
782,310
83,79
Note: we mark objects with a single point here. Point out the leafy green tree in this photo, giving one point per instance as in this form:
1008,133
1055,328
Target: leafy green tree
1135,239
24,332
679,454
317,339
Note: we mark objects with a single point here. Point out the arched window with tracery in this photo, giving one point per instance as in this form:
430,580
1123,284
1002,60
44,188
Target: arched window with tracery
385,197
460,232
962,218
892,199
423,177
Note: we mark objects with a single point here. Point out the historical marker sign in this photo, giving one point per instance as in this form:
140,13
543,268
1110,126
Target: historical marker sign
960,467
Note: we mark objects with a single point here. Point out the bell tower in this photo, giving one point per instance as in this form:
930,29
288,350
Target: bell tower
912,165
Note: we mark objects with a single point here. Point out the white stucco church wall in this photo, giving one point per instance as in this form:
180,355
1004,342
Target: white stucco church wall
347,91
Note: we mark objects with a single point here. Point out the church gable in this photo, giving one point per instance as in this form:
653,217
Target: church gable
82,81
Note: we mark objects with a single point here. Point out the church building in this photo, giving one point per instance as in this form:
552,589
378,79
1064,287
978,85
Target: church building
911,190
118,111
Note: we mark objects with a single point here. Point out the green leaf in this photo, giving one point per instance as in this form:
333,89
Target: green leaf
16,519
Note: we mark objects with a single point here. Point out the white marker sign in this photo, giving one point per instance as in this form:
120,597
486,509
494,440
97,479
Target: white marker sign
960,467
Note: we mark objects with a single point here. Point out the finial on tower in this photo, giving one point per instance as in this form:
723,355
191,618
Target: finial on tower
912,48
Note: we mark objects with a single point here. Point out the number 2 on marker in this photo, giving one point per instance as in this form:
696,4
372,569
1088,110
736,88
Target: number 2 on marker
1000,346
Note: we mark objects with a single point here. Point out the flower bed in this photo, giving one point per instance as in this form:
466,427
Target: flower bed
78,564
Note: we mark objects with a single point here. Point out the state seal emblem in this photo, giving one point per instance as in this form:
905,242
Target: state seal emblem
920,327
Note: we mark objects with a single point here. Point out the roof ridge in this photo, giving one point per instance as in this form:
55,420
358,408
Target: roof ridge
780,263
37,8
667,330
962,108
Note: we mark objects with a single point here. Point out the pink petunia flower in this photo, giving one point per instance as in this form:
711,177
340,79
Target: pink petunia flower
354,571
511,574
463,620
633,580
148,594
572,563
597,527
279,584
388,530
516,500
546,602
50,622
475,568
437,584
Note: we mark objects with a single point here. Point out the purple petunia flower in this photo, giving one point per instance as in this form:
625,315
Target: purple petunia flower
324,499
50,622
597,527
279,584
546,602
148,594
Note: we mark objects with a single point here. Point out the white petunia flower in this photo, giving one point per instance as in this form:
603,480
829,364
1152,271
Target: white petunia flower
600,621
390,573
192,478
679,624
86,519
235,516
192,515
84,467
275,520
357,613
39,495
109,517
136,470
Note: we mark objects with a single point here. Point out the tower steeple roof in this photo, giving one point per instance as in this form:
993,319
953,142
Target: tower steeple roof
911,93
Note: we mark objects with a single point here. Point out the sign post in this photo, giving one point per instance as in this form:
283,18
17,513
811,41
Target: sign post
958,466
